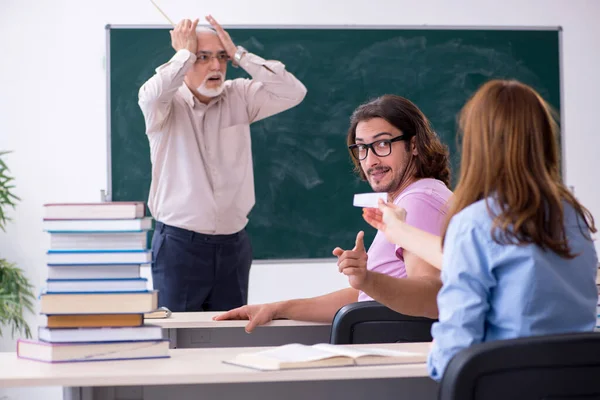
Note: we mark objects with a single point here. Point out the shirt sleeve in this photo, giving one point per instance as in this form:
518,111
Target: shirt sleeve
156,95
421,214
271,90
463,301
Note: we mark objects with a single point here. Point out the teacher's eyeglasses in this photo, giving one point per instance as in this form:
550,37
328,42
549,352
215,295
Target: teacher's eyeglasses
204,57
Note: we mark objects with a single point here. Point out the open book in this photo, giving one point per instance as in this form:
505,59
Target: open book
161,312
295,355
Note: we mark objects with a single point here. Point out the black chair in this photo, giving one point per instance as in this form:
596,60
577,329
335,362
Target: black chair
371,322
555,367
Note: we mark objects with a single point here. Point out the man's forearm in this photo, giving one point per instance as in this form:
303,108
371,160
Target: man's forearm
411,296
168,79
317,309
274,76
272,90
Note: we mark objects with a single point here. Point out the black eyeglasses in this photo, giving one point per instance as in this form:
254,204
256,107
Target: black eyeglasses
381,148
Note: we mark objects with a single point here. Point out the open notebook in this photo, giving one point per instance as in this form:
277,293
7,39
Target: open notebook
295,355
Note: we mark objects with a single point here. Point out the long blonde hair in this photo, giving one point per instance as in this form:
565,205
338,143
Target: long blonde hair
510,154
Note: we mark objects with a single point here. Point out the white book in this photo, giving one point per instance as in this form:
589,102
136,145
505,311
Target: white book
104,210
99,241
98,225
119,334
96,285
58,257
109,271
98,303
323,355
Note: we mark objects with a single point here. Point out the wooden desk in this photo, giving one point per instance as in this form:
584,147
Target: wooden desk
201,374
198,330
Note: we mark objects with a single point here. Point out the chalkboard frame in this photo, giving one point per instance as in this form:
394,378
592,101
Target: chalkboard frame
106,194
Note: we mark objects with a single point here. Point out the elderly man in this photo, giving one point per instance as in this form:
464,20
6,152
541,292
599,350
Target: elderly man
198,126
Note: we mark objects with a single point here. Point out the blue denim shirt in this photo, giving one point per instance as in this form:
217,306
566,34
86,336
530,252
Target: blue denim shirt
493,291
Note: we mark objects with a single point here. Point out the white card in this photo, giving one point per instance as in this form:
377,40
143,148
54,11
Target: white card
369,200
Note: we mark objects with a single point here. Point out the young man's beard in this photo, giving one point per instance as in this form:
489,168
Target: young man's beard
398,180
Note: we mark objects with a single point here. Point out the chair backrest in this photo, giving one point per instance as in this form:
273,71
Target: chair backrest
555,367
371,322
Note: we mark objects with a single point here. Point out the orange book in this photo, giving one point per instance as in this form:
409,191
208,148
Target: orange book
94,320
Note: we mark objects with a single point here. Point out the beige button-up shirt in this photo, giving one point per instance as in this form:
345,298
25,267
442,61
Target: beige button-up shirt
202,174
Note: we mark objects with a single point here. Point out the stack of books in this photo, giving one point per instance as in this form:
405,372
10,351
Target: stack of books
95,298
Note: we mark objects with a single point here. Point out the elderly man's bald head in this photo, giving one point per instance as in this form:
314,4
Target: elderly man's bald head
205,30
208,40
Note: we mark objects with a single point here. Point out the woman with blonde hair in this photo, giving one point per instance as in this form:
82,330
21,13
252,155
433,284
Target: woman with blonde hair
518,257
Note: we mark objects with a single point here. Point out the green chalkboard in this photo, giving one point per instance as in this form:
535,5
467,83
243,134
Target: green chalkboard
303,175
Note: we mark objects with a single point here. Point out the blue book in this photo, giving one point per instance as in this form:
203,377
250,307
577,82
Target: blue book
99,240
91,351
107,271
102,334
98,225
96,285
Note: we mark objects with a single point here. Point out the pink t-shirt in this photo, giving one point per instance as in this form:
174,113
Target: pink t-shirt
425,202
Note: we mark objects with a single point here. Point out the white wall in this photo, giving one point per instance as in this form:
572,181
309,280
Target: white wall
52,98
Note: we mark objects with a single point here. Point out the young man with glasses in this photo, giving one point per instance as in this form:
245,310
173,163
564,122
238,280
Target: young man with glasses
395,149
198,126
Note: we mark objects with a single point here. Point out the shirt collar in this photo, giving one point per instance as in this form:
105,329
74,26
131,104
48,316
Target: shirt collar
187,95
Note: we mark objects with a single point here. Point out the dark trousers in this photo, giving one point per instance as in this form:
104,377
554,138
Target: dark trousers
197,272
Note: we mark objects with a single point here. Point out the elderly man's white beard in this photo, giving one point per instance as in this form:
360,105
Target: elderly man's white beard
212,92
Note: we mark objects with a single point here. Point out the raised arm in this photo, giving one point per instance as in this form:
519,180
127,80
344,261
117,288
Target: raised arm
271,90
156,95
391,220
